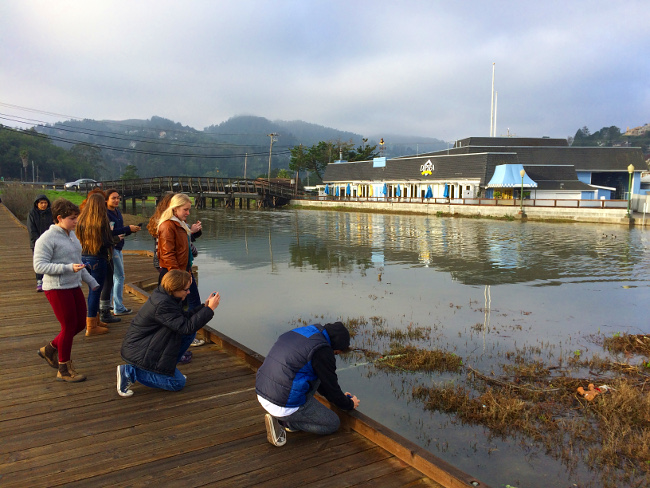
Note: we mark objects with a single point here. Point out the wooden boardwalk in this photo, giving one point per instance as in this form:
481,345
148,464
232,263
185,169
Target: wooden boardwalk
210,434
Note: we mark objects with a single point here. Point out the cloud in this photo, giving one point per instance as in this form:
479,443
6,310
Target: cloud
416,68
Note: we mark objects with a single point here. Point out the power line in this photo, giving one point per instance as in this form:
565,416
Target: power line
114,135
137,151
122,124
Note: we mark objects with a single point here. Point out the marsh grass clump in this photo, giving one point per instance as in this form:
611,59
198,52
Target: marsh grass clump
412,333
628,344
411,358
354,325
525,369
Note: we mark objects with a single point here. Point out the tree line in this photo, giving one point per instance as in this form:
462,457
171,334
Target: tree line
26,155
608,137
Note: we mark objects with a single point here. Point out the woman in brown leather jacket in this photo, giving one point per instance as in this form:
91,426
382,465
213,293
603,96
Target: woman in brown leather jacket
174,237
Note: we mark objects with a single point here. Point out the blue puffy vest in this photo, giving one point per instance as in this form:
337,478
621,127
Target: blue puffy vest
286,375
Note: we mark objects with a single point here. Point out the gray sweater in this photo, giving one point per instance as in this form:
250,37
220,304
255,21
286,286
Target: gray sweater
54,254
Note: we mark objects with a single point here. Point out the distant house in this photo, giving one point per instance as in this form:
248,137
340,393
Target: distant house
552,170
637,131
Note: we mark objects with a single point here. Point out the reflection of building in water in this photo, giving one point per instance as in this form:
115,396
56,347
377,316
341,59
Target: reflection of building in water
472,251
478,252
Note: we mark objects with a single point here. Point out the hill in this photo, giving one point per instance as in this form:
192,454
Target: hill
237,146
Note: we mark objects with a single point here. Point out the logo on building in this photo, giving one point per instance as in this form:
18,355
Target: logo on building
426,168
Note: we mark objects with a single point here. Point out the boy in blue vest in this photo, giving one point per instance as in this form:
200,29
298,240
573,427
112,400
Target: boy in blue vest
301,362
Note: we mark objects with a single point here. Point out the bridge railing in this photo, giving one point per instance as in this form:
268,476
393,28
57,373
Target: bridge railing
197,185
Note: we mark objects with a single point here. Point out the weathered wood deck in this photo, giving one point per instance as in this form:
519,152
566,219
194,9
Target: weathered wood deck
210,434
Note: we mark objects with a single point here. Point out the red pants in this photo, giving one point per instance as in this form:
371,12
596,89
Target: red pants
70,309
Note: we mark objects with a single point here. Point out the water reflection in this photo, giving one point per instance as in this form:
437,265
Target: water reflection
473,252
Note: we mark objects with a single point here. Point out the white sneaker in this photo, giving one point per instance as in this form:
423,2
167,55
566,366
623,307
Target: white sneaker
197,342
275,433
123,383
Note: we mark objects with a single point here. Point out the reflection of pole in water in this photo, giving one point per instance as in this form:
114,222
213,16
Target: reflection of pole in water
271,251
486,312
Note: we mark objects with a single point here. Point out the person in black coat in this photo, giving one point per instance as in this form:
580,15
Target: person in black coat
39,220
159,335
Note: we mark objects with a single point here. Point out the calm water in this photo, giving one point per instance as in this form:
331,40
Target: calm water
484,287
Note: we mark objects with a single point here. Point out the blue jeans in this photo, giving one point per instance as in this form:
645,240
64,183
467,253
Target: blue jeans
193,299
156,380
118,281
98,268
313,416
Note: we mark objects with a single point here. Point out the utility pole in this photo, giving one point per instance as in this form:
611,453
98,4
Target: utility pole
245,163
273,137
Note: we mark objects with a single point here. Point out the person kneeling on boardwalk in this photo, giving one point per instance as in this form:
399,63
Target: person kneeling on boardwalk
159,335
301,362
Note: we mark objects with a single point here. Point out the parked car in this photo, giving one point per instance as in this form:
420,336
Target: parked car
82,184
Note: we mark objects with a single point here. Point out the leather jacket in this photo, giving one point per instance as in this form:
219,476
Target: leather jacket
173,246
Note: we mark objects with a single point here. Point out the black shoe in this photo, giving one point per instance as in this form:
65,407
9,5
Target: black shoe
127,311
106,317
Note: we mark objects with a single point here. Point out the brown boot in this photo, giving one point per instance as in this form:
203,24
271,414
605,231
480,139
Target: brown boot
93,327
67,373
50,354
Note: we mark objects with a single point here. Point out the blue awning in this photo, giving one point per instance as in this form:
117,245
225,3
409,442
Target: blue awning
509,176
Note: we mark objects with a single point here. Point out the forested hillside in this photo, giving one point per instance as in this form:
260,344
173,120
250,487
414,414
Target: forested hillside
28,155
160,147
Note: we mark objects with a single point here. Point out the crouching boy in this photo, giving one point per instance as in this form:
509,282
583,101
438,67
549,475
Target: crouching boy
301,362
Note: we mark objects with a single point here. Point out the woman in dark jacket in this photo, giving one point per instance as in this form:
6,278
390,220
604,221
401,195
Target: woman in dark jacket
39,220
94,233
159,335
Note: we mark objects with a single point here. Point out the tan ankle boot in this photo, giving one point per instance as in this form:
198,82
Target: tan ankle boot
50,354
67,373
93,327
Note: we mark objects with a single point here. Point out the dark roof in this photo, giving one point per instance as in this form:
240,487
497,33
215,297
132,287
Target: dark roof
510,142
595,159
543,173
556,178
469,166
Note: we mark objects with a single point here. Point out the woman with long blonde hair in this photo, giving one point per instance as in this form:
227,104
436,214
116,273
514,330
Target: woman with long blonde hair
94,233
175,239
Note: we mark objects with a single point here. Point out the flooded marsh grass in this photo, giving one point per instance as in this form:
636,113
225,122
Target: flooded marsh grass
536,400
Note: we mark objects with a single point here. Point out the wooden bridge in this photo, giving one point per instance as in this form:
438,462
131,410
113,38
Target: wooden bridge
226,191
210,434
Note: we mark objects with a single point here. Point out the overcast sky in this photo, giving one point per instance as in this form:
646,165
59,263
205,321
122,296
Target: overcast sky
421,68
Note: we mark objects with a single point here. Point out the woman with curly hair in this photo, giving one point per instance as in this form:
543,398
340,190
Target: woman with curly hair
94,233
57,256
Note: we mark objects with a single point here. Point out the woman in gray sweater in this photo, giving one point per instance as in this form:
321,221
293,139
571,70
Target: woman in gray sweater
57,255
